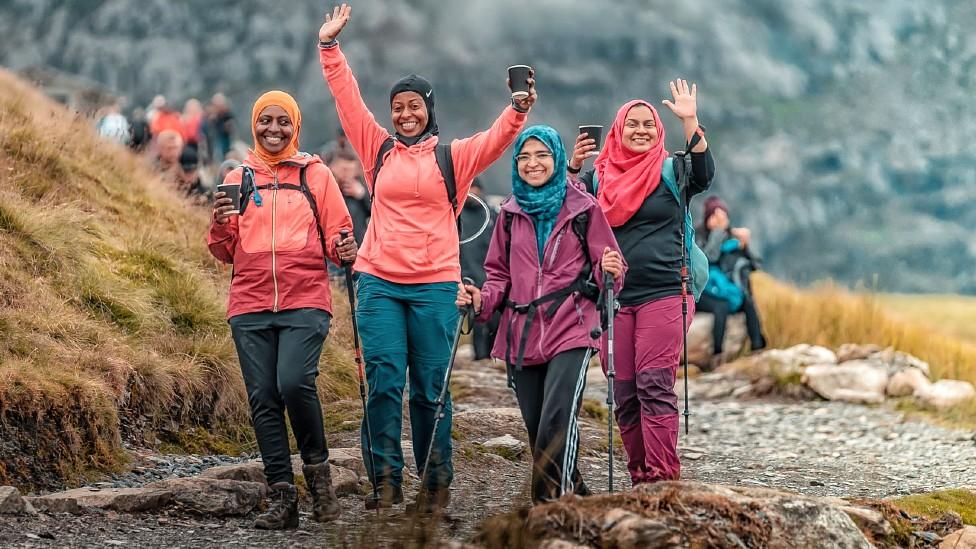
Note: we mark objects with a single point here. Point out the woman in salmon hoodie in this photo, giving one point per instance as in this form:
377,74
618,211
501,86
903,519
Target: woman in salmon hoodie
559,233
280,305
409,267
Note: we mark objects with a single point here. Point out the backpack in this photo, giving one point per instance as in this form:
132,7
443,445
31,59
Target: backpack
248,188
697,260
445,162
584,284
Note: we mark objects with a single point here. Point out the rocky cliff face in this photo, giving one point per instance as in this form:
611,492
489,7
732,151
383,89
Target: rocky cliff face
841,131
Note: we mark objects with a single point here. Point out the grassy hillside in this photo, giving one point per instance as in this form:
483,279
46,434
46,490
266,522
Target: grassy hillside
952,315
111,309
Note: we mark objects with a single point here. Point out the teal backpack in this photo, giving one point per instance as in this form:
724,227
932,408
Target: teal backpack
697,261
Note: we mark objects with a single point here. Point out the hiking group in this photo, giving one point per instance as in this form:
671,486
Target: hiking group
562,240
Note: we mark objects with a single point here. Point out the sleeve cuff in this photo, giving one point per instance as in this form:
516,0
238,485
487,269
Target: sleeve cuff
328,45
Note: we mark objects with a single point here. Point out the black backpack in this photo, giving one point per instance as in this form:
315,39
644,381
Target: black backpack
445,162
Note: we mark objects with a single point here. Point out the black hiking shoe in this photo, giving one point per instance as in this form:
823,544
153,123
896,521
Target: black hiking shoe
325,504
432,500
387,496
282,513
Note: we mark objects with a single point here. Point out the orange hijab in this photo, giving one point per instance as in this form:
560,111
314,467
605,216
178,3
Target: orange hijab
288,103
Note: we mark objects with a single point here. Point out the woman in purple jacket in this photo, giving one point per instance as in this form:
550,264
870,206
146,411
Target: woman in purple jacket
545,268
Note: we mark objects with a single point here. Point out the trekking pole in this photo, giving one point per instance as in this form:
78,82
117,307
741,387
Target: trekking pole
361,371
609,310
442,398
685,159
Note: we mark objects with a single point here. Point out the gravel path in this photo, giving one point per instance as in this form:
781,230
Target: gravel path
815,448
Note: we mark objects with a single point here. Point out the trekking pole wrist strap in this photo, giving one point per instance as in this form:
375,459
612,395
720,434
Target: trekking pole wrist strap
696,138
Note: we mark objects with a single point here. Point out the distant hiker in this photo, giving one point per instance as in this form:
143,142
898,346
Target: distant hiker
730,261
166,119
280,305
409,268
169,146
139,134
345,167
189,179
473,255
192,123
220,127
636,190
545,270
113,125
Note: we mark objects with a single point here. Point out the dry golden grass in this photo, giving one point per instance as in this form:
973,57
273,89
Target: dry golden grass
953,315
831,316
111,308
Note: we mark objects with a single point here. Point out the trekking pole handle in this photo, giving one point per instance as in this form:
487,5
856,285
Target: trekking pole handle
344,234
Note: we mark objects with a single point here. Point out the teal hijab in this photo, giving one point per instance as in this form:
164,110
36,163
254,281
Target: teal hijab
543,203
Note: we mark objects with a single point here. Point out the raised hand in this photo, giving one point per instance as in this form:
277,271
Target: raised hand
583,149
685,104
334,22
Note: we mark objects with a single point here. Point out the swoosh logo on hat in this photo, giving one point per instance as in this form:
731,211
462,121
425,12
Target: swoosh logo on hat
429,92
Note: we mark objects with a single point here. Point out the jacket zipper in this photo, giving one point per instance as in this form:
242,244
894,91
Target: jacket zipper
274,209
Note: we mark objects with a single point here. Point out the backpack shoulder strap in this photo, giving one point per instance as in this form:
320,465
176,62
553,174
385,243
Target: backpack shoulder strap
581,226
669,173
307,191
507,225
445,162
384,148
248,188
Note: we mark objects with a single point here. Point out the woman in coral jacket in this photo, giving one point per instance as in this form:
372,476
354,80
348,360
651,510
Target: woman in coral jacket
409,267
280,304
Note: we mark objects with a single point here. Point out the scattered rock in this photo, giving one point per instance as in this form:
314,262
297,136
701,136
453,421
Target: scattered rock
123,500
344,481
859,381
251,471
560,544
854,351
350,458
700,337
11,503
625,530
964,538
897,361
907,382
869,520
946,393
506,446
808,355
213,497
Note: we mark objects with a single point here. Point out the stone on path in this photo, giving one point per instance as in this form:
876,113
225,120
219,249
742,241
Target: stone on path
946,393
964,538
122,500
700,337
251,471
11,503
858,381
344,481
507,445
213,497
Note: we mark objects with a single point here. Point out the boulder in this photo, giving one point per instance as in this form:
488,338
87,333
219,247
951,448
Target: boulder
808,355
344,481
682,514
251,471
854,351
122,500
964,538
907,382
700,338
349,458
868,520
11,503
897,361
946,393
213,497
858,381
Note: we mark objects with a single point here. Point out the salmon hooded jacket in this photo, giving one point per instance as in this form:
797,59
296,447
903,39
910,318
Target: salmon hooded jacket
274,246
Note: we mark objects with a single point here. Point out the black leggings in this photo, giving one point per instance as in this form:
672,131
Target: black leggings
720,309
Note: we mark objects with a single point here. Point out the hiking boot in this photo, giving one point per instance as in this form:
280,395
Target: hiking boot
431,501
388,495
325,504
283,511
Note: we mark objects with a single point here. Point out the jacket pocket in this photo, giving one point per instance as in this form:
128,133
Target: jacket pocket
402,253
293,222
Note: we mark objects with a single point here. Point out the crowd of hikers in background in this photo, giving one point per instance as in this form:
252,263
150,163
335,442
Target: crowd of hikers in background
568,250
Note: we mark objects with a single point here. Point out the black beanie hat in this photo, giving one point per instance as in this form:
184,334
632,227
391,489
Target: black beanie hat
419,85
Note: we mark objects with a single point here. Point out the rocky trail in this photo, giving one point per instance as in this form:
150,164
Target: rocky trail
813,448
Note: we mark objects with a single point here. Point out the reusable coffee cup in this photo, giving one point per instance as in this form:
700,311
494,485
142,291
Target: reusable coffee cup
593,132
518,75
233,192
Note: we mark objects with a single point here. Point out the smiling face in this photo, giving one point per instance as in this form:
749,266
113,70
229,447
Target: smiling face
640,132
409,113
535,163
274,129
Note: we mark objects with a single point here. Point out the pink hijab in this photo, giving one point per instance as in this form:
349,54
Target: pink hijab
627,178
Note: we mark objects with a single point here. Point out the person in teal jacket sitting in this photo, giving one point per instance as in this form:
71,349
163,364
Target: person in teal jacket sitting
729,263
